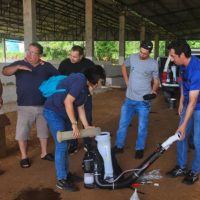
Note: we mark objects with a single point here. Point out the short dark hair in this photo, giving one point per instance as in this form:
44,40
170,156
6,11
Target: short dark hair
78,48
147,45
180,46
94,74
38,46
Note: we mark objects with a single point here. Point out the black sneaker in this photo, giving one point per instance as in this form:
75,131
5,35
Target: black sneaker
66,185
72,149
177,171
190,178
139,154
74,178
117,150
191,146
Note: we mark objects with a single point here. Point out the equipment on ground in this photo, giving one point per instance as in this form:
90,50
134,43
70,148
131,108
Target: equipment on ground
102,170
100,166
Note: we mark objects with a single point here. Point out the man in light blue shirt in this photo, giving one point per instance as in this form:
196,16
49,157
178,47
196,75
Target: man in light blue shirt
143,71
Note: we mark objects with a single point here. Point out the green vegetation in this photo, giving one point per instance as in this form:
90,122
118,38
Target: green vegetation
103,51
58,50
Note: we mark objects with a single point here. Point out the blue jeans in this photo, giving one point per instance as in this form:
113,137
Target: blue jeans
128,110
182,146
58,123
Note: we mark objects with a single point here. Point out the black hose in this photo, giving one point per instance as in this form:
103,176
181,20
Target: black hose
126,182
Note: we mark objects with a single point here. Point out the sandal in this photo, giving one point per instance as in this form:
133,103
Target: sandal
49,157
25,163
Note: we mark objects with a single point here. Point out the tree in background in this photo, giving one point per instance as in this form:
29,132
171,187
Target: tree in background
106,51
162,48
194,44
58,50
103,50
131,47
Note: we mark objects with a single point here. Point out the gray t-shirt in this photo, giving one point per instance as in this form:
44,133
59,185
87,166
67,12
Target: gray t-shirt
141,74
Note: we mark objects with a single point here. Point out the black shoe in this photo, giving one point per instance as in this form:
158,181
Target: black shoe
191,146
49,157
190,178
25,163
139,154
74,178
72,149
117,150
66,185
87,147
177,171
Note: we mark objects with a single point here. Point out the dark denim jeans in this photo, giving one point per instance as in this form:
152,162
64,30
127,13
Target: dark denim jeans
128,110
57,123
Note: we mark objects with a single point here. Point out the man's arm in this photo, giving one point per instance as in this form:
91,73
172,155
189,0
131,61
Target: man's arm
155,86
180,108
69,107
193,96
12,69
82,116
125,74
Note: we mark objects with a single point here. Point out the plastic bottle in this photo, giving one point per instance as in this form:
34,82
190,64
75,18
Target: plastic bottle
173,68
168,76
135,195
88,167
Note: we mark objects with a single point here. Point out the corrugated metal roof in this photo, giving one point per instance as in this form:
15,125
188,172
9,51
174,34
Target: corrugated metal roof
65,19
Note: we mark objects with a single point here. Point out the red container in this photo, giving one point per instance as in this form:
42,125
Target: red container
164,77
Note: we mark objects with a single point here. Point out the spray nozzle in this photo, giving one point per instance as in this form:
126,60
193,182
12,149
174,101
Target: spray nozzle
135,195
171,140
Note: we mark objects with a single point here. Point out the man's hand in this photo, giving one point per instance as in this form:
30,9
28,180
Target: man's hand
76,131
10,70
180,109
23,67
89,127
181,129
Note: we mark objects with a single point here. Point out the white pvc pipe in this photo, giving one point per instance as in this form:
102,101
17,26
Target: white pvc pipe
171,140
104,148
68,135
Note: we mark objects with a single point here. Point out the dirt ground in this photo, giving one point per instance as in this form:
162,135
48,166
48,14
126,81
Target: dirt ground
38,181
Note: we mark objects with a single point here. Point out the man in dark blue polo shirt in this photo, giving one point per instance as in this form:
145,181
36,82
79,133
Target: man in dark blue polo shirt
189,109
30,73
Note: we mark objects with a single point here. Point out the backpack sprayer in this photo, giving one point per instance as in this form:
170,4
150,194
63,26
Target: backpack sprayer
100,166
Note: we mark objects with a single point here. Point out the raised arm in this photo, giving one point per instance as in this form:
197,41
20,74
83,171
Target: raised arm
12,69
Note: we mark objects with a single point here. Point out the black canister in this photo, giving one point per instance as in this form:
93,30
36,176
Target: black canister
172,103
